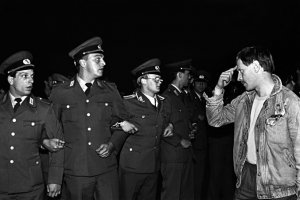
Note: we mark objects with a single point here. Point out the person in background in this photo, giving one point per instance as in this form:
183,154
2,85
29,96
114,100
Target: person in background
199,141
266,131
88,107
53,80
176,150
26,121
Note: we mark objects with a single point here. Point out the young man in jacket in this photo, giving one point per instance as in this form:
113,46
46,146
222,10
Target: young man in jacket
266,151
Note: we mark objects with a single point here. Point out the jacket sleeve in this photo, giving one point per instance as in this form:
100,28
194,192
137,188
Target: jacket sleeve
294,131
219,114
119,111
175,139
53,129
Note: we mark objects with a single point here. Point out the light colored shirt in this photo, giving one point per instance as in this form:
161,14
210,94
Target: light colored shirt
255,110
82,83
12,99
153,100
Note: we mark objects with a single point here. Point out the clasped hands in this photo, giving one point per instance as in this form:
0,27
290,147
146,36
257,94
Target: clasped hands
53,144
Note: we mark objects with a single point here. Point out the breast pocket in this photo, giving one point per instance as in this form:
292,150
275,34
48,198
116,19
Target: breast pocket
276,129
32,128
105,110
69,113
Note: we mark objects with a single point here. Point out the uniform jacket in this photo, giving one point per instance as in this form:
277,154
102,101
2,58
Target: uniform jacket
277,138
199,117
86,122
141,151
21,135
177,113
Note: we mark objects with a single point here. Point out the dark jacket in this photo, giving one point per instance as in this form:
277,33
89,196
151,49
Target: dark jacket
199,118
21,135
86,122
141,151
177,113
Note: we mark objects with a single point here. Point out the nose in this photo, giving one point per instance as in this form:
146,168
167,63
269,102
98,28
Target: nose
239,78
30,80
103,62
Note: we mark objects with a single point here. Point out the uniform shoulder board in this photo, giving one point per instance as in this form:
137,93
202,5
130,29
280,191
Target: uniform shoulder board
107,84
47,101
161,97
131,96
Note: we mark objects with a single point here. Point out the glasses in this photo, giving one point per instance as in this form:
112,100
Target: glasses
156,79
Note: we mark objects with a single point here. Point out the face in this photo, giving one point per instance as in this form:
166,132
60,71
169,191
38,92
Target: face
94,64
246,75
185,78
21,84
200,86
152,83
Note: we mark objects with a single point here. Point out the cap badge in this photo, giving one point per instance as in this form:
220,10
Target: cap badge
26,61
99,47
201,77
156,68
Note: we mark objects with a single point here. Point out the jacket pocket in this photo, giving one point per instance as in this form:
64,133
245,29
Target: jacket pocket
35,171
69,113
290,159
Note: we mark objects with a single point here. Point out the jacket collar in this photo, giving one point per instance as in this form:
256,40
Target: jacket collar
276,89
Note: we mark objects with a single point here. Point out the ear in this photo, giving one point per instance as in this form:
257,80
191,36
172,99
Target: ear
10,80
143,81
179,75
82,62
256,66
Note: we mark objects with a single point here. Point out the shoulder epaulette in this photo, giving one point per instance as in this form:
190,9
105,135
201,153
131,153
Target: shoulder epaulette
131,96
47,101
109,85
161,97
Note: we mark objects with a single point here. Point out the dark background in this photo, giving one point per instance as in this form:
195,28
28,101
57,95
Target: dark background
210,32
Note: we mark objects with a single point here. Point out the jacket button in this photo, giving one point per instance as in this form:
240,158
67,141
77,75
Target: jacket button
106,104
32,124
68,106
130,149
37,162
88,114
13,134
87,101
12,147
89,143
11,161
89,128
143,116
14,120
258,173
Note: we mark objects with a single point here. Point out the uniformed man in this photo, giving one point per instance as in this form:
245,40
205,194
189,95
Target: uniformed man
87,108
200,141
52,81
140,155
176,151
25,121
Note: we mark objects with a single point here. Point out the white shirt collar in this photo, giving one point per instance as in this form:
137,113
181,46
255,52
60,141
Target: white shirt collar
179,90
82,83
12,99
153,100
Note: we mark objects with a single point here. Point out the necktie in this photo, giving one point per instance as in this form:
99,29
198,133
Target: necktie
87,91
17,105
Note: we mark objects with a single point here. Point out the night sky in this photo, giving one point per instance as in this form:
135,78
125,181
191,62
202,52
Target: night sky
210,32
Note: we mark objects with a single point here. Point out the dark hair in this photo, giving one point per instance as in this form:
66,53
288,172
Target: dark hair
249,54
